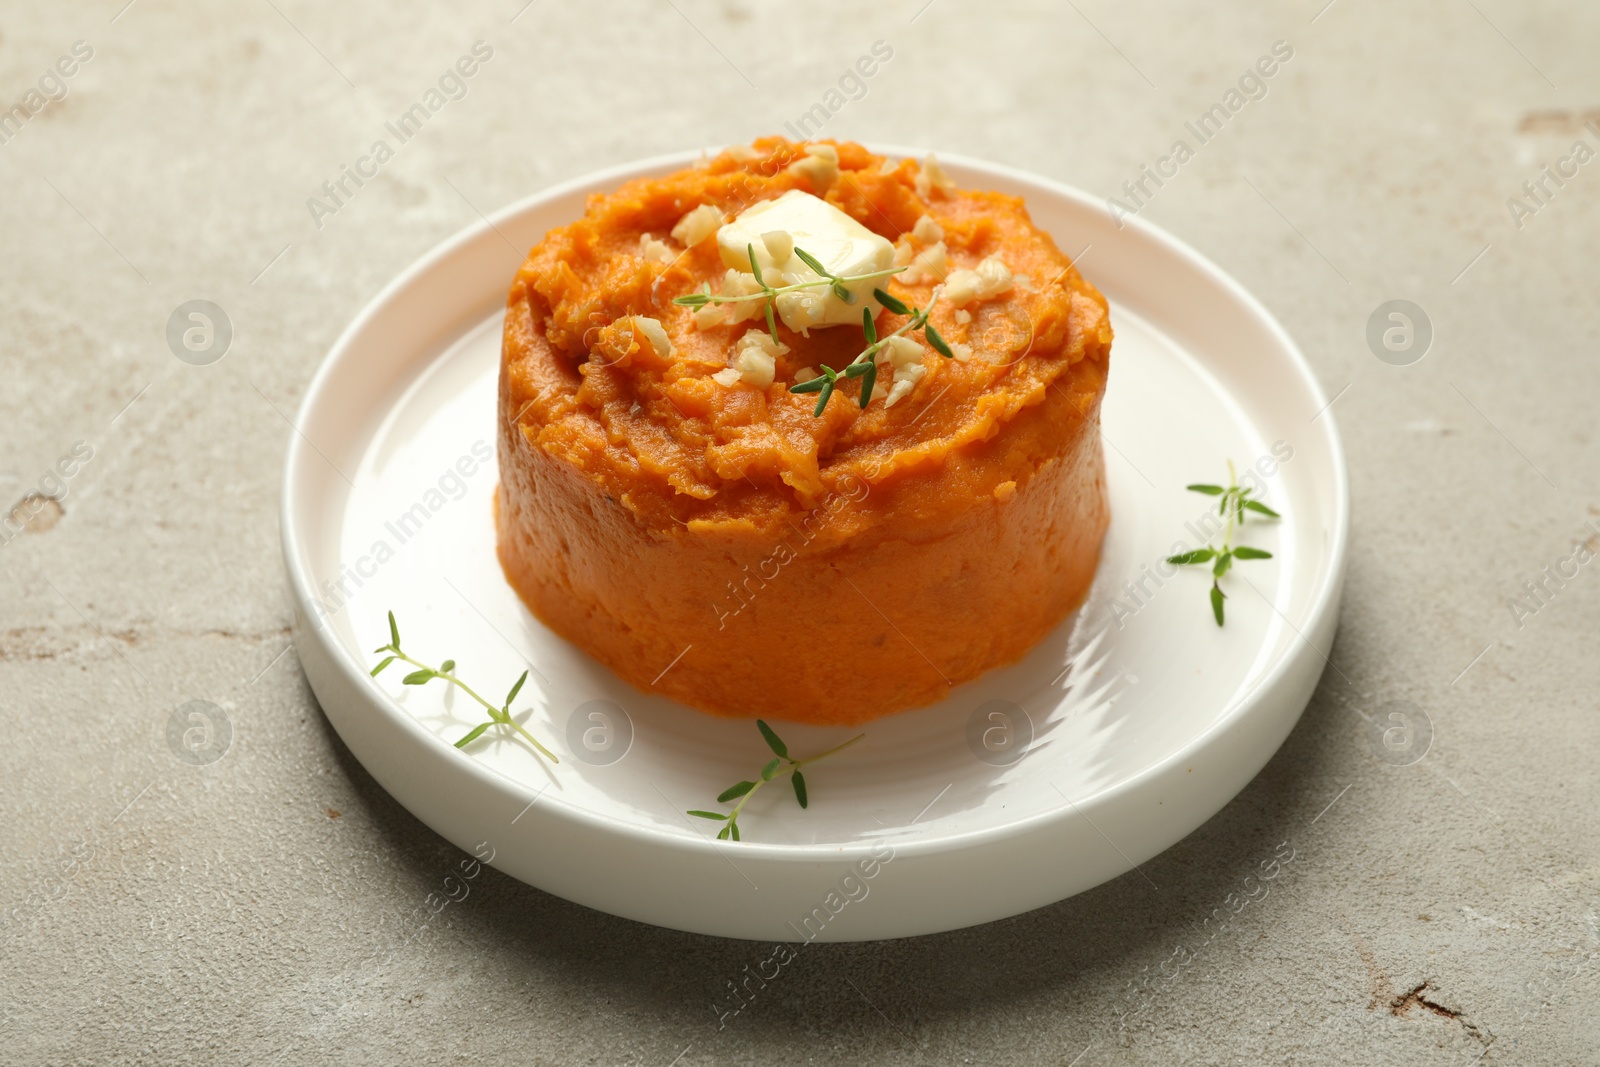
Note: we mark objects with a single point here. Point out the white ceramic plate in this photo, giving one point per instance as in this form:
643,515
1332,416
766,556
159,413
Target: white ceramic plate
1124,730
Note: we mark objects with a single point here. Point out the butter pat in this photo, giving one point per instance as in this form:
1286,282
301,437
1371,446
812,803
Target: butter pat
837,241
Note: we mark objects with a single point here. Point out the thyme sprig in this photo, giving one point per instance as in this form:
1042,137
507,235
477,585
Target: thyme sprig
769,294
1233,503
864,366
425,674
773,768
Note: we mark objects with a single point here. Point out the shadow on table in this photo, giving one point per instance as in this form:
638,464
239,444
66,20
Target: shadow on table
1099,961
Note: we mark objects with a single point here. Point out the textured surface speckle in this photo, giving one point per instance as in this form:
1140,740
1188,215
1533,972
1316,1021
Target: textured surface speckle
273,906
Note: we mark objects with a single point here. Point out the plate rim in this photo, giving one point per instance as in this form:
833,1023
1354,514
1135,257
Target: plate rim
1324,600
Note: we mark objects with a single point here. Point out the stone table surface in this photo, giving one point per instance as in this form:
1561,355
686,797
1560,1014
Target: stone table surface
155,911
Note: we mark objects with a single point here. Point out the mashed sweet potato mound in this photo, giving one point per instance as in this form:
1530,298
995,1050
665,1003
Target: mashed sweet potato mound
719,544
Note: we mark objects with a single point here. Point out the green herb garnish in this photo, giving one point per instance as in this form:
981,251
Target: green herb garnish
425,674
863,366
773,768
1233,503
770,294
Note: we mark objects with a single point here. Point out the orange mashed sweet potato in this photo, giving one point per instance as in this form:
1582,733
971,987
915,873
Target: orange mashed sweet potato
721,545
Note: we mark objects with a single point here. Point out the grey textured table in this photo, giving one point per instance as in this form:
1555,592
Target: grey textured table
268,907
